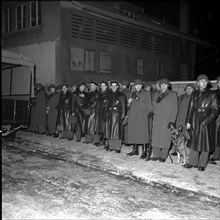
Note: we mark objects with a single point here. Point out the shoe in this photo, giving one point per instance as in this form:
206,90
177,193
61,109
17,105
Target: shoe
162,160
134,151
106,148
212,159
155,158
143,155
201,168
55,135
144,151
188,166
96,144
85,142
78,140
212,162
70,139
118,151
174,154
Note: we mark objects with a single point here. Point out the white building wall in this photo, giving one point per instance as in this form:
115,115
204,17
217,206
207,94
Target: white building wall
43,55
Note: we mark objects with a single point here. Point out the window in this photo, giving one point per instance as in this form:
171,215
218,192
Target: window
160,69
35,13
10,20
7,20
22,16
128,13
105,62
89,60
18,21
140,66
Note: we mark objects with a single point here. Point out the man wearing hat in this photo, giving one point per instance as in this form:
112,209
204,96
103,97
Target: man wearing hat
93,94
200,121
101,113
64,113
183,103
216,154
52,113
40,109
79,100
164,112
115,115
139,105
126,90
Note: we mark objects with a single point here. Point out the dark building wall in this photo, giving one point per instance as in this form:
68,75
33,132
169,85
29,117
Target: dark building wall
125,44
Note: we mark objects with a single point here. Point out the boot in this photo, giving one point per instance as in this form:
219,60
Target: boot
106,145
148,152
134,151
144,151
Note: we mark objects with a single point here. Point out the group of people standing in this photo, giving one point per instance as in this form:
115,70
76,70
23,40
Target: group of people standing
110,115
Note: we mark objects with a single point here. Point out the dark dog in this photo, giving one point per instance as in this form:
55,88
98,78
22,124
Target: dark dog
180,142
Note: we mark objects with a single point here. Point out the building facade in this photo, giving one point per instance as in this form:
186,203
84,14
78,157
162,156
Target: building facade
75,41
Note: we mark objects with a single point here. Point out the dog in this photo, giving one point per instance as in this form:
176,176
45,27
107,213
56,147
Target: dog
180,143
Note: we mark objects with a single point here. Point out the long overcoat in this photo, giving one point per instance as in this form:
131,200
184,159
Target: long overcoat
128,94
115,115
101,112
165,111
202,113
52,102
80,99
64,111
217,128
91,120
140,107
40,110
183,105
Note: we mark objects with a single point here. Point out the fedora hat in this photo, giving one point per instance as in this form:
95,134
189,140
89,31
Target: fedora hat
164,81
202,76
138,82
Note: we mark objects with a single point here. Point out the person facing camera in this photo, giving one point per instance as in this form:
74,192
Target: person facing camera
139,105
115,116
200,122
164,112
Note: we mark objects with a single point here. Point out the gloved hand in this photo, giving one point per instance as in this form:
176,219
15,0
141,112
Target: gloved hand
151,115
125,121
171,124
205,123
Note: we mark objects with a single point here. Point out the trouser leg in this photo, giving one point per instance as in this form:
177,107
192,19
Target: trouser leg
193,157
156,152
164,153
203,159
216,154
78,132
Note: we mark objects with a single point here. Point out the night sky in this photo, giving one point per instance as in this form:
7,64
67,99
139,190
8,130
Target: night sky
204,22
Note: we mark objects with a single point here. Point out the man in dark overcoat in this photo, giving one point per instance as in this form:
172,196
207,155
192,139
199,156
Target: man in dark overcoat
80,99
139,108
115,115
52,113
215,156
101,113
64,111
125,88
183,103
93,94
201,116
165,111
40,109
